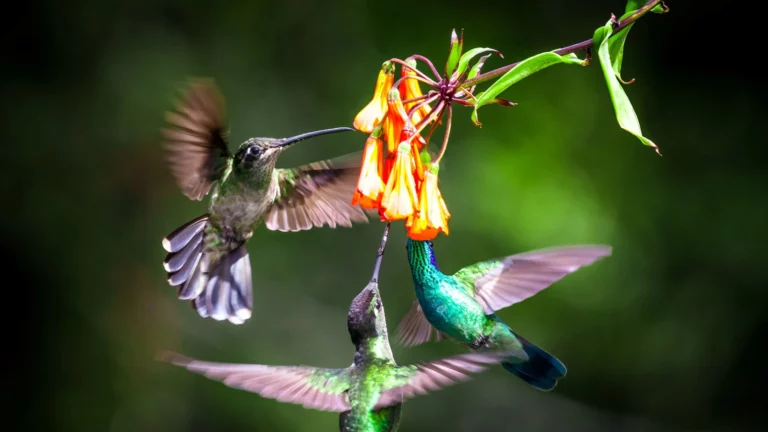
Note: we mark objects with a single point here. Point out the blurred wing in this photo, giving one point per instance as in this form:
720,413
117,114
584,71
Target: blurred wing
195,139
321,389
411,381
505,281
414,329
315,195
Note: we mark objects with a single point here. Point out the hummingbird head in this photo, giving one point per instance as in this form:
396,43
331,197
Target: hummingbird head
261,152
366,315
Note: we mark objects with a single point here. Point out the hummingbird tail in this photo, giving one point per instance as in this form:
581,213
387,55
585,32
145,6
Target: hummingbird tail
221,288
542,370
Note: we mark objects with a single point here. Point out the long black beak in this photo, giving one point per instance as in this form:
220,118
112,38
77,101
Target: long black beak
294,139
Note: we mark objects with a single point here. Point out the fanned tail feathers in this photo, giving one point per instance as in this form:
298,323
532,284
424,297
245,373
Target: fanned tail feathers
220,290
542,370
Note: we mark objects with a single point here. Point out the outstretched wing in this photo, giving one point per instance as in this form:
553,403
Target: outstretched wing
414,329
196,138
321,389
315,195
415,380
505,281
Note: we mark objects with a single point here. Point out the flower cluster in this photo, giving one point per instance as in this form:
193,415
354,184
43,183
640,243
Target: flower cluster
397,176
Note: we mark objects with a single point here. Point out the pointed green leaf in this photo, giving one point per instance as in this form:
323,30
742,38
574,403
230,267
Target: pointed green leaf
526,68
469,55
457,45
625,114
475,71
616,46
616,43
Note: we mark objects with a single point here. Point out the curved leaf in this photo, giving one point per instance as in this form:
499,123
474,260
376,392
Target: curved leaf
625,114
524,69
469,55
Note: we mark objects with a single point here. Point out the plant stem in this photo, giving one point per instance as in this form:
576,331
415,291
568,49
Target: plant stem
429,63
419,73
407,77
416,99
447,134
421,104
380,255
569,49
433,115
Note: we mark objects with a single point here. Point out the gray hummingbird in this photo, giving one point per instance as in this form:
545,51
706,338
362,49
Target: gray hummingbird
369,393
207,258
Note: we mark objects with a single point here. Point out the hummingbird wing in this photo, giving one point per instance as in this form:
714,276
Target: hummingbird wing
414,329
407,382
196,139
321,389
502,282
316,194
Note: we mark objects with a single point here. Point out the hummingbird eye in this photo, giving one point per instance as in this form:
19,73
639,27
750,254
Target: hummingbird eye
254,150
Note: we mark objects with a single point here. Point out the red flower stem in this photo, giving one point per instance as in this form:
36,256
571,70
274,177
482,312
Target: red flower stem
432,116
400,81
429,63
421,104
380,255
447,134
419,73
569,49
432,128
420,98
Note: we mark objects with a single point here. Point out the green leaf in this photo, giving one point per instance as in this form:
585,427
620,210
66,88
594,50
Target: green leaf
631,7
616,46
526,68
469,55
457,45
475,71
625,114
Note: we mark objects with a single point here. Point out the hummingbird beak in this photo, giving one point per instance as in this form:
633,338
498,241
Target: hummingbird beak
294,139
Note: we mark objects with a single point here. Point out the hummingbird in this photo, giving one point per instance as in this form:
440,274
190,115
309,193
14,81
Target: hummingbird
369,393
206,257
461,307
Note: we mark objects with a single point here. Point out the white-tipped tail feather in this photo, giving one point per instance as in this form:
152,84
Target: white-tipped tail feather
221,290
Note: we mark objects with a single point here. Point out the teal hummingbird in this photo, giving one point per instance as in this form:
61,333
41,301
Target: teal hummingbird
206,257
369,393
462,306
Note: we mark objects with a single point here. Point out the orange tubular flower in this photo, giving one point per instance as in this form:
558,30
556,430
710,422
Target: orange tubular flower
374,112
370,185
399,199
396,120
410,89
432,217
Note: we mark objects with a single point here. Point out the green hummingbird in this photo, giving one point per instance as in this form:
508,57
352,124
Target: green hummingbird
207,257
369,393
461,306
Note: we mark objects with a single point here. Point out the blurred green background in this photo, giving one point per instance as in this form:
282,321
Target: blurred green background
664,335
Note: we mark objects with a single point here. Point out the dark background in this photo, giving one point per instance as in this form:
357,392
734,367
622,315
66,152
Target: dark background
667,334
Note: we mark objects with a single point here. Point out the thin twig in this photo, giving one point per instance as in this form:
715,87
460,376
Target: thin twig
569,49
380,255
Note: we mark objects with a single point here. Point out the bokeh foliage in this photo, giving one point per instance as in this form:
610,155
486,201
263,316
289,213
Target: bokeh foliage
661,336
